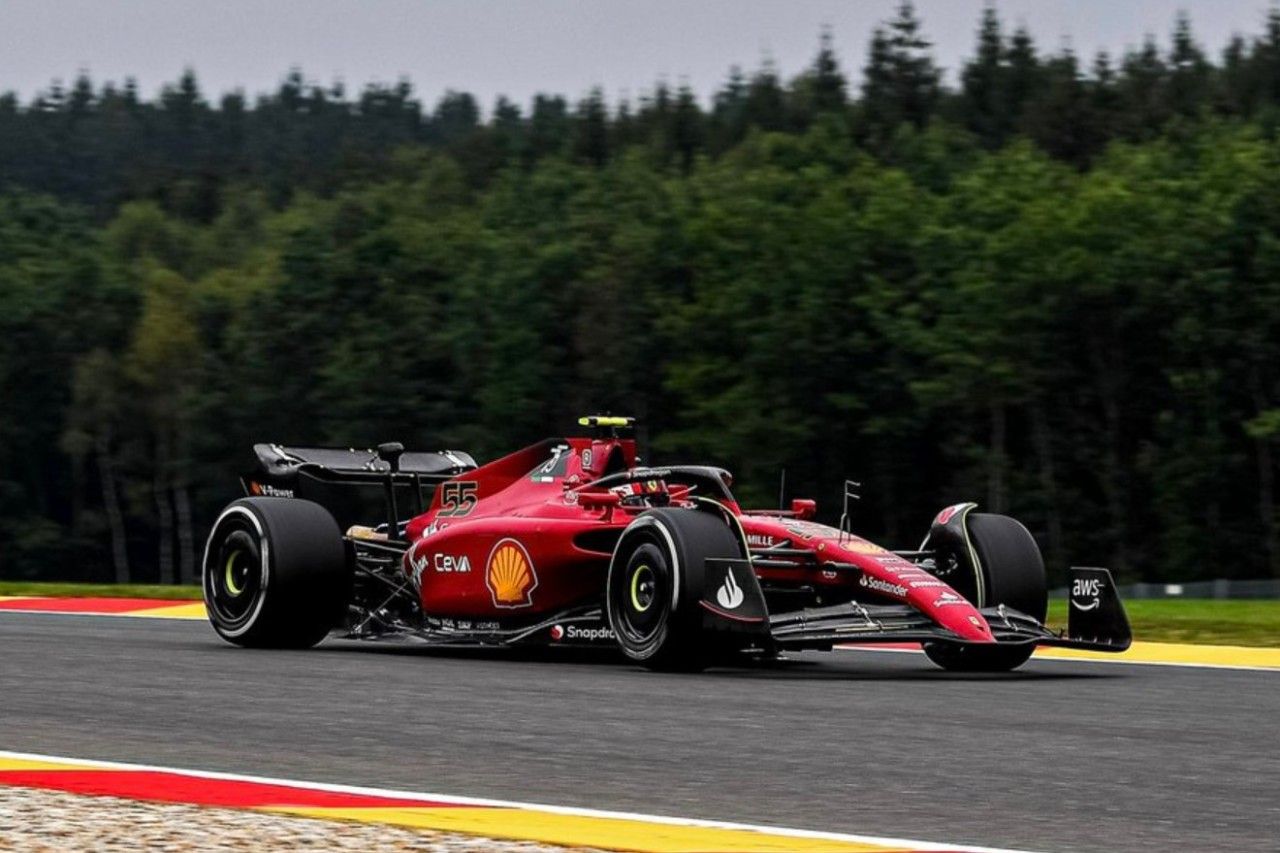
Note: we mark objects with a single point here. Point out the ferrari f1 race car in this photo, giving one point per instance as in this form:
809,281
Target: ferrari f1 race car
572,541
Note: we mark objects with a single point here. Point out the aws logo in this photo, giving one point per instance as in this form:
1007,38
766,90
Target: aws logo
510,576
1086,594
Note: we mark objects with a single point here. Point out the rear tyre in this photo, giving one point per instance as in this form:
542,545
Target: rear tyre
1010,572
276,573
655,583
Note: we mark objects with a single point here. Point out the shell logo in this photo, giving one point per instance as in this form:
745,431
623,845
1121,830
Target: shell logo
510,575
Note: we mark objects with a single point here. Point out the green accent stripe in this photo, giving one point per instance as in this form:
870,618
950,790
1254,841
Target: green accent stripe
635,588
228,577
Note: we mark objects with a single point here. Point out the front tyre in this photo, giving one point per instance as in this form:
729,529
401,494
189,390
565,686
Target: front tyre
655,583
956,657
1010,571
276,573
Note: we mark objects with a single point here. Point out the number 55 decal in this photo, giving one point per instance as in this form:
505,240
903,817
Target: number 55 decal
456,499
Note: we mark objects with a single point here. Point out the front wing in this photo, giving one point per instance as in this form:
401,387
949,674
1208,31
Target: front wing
1096,619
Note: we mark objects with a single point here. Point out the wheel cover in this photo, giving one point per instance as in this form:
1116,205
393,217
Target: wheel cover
234,574
641,603
957,657
642,588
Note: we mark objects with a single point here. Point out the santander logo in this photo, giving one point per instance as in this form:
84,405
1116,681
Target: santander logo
729,594
886,587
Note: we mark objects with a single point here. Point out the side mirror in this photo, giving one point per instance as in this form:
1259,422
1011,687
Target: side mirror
597,500
804,508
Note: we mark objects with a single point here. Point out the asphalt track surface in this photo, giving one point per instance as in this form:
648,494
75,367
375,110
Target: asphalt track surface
1059,756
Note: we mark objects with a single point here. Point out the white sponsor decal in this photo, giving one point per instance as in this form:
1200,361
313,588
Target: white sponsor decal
811,530
449,563
273,492
948,599
898,566
551,463
729,594
573,632
925,583
877,585
418,564
1086,588
760,540
463,624
434,527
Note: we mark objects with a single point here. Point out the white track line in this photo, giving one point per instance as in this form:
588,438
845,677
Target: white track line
512,804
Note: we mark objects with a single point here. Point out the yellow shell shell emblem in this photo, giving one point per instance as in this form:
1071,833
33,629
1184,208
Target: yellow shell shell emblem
510,576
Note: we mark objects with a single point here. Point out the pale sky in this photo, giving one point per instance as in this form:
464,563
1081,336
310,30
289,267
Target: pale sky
521,47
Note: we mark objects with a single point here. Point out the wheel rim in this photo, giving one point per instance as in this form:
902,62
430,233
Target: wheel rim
643,586
641,603
234,574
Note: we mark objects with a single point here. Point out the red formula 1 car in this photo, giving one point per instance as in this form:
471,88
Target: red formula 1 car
571,541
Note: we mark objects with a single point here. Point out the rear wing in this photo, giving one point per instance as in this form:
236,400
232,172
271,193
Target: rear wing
356,486
276,459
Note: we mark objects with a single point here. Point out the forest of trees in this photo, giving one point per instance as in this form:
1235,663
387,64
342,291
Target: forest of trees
1053,287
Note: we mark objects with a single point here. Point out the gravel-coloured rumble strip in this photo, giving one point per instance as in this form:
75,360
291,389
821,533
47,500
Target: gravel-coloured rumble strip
33,820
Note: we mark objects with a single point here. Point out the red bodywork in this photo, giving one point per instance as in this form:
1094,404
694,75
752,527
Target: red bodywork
527,535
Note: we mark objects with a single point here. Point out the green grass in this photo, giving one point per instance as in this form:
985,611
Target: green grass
98,590
1219,622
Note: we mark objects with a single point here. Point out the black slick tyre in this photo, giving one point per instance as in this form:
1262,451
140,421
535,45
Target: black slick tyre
275,573
1010,571
655,582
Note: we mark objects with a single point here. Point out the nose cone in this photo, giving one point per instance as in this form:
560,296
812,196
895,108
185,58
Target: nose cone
953,612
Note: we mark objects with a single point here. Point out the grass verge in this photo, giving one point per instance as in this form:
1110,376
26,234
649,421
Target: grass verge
1213,621
99,590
